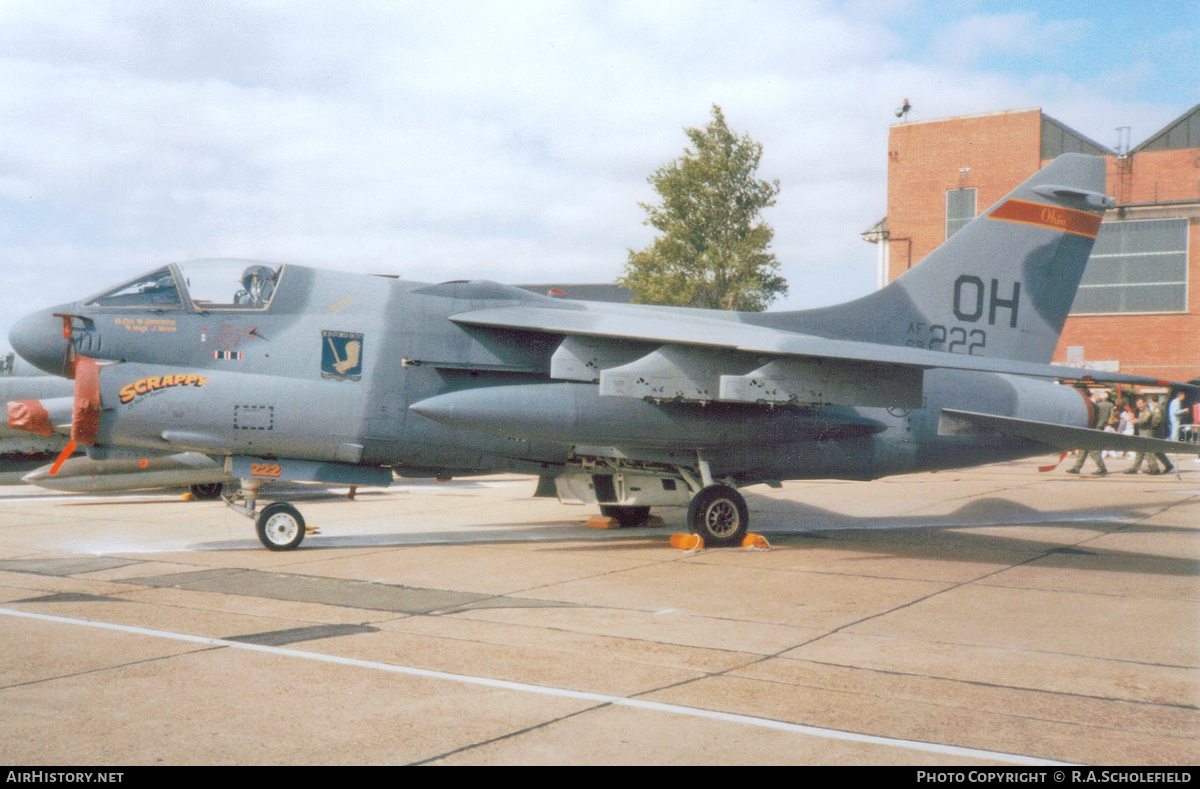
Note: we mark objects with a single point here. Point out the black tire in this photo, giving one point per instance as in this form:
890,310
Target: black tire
719,515
208,491
280,527
625,515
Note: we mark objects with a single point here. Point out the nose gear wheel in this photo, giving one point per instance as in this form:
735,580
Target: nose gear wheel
280,527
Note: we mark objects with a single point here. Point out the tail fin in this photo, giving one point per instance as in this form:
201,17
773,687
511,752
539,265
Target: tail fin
1001,286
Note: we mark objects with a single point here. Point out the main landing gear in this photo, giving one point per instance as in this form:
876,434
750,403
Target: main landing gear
718,514
207,491
280,526
626,516
625,489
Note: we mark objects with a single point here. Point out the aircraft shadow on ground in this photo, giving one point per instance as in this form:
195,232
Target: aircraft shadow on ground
794,525
785,517
951,536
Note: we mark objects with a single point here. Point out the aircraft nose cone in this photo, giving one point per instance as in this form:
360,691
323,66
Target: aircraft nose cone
38,338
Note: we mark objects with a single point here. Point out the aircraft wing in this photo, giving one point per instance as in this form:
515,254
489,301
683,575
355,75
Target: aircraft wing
958,423
636,352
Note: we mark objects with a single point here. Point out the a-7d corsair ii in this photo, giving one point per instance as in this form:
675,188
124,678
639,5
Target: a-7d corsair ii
287,372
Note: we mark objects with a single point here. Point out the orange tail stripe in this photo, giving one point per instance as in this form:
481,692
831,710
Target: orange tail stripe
1066,220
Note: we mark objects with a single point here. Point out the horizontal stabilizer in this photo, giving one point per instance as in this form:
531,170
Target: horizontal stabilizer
967,423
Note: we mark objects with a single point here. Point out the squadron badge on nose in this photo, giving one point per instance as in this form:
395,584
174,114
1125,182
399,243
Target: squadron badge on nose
341,355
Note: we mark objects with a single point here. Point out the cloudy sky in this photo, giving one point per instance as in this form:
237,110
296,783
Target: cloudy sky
508,139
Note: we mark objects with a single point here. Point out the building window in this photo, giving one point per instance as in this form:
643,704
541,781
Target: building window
960,209
1136,267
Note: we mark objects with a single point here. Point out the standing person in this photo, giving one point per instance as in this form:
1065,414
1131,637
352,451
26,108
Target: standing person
1176,413
1159,423
1111,427
1126,422
1145,428
1103,410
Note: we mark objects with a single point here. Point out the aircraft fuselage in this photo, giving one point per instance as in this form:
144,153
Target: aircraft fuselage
328,372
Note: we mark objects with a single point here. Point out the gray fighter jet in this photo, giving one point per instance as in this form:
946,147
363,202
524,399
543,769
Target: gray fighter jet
287,372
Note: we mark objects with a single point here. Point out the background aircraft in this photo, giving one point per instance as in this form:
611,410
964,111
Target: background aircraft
27,457
21,451
287,372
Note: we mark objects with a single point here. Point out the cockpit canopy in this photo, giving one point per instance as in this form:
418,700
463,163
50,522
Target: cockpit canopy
202,285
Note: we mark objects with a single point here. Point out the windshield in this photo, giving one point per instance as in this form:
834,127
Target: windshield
156,289
229,284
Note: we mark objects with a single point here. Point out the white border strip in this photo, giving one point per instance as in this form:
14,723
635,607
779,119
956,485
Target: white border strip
674,709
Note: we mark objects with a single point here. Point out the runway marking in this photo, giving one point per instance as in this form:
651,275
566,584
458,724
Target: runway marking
520,687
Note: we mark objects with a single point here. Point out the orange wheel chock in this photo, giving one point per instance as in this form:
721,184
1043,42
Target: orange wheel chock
602,522
687,542
756,542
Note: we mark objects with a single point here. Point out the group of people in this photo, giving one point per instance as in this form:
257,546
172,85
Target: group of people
1144,417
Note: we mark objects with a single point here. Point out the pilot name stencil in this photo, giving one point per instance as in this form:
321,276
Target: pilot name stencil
146,324
341,355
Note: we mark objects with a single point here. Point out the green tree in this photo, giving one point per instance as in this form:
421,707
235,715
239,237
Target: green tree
712,245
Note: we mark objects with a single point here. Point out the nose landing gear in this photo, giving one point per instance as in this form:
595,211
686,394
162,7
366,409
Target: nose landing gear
280,526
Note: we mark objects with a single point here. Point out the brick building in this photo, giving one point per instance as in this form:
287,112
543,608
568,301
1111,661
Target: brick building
1134,311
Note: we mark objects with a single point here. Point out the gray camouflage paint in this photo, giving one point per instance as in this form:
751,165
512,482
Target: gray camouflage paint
456,376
